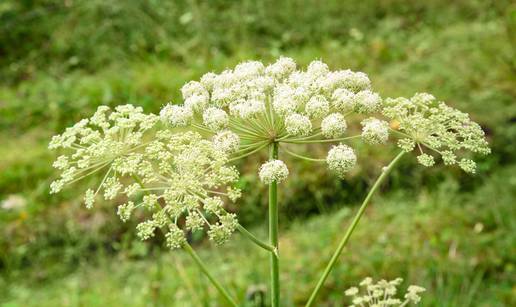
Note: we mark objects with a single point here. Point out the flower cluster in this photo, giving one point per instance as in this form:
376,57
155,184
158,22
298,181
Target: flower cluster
108,139
382,294
273,171
182,179
423,122
253,105
187,178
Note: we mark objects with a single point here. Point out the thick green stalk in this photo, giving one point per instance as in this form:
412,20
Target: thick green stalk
273,231
350,229
204,269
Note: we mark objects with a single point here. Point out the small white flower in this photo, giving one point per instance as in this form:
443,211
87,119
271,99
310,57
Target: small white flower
287,100
56,186
193,88
247,109
333,125
89,198
176,116
317,68
281,68
208,80
216,119
249,69
351,291
358,81
145,230
61,162
426,160
343,100
317,106
467,165
175,238
297,124
375,131
197,102
413,293
367,102
341,159
124,211
226,141
273,171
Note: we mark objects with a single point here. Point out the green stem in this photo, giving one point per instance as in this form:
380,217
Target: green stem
273,231
296,141
254,239
204,269
350,229
303,157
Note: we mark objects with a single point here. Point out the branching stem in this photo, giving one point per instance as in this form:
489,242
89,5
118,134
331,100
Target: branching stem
351,228
254,239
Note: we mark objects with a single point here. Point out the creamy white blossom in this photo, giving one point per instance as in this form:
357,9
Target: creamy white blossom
176,116
254,105
423,123
297,124
367,102
273,171
215,119
375,131
333,125
382,293
341,159
226,141
177,172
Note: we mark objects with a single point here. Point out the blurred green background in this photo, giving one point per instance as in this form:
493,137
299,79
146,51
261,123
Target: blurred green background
439,228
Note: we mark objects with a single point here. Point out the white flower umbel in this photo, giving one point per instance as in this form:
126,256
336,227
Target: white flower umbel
341,159
297,124
215,119
180,174
108,142
422,122
254,105
375,131
333,126
382,293
273,171
176,116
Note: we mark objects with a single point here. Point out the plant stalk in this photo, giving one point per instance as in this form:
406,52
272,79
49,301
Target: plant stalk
273,231
254,239
351,228
204,269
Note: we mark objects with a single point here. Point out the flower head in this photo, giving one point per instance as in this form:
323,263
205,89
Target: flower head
254,105
176,116
273,171
375,131
181,175
333,126
297,124
382,293
430,124
108,139
341,159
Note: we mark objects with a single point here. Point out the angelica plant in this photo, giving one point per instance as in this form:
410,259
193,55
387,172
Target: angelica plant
278,106
179,166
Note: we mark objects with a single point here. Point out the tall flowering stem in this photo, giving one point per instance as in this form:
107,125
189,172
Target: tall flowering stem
351,228
273,230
